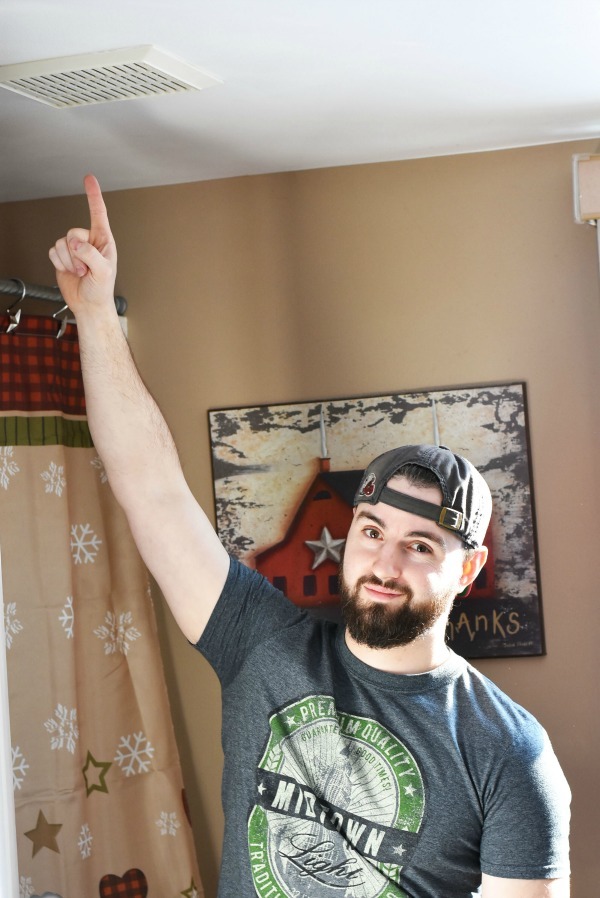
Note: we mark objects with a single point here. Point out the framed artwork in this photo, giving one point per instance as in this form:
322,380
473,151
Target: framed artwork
285,477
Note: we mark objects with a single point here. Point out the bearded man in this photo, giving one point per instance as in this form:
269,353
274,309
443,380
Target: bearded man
365,760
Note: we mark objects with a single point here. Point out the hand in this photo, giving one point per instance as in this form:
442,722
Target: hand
86,261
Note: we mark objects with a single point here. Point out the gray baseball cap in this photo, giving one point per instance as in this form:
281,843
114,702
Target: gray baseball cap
467,501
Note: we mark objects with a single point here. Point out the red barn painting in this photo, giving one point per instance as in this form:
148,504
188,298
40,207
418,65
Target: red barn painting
279,509
305,563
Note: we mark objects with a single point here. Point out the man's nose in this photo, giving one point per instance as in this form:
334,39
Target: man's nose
387,564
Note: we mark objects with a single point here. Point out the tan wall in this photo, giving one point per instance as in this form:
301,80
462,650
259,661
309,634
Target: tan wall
365,280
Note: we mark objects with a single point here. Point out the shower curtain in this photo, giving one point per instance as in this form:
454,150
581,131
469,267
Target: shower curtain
99,800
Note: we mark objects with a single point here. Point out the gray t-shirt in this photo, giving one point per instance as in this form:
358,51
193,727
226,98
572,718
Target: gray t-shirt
343,780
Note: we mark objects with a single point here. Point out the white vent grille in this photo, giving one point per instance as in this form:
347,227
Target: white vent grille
104,77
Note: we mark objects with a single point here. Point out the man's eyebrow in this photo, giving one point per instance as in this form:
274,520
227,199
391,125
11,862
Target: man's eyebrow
371,517
428,534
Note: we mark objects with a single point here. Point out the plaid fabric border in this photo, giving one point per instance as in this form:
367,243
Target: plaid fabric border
21,430
39,372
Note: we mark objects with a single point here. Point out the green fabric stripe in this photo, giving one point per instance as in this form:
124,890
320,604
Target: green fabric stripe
44,431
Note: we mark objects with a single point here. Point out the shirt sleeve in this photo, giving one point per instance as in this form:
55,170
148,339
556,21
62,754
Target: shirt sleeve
249,612
527,813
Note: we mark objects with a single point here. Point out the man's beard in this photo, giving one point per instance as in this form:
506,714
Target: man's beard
380,625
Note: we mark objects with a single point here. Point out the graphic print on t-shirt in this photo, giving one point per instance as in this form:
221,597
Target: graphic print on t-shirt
339,804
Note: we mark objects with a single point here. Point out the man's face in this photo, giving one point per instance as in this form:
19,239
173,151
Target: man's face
400,572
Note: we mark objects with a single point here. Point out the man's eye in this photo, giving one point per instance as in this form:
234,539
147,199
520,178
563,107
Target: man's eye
371,532
421,547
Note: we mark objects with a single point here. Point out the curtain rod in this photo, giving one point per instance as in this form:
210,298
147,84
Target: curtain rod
16,287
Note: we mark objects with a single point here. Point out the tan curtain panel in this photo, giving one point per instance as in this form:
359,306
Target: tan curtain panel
100,806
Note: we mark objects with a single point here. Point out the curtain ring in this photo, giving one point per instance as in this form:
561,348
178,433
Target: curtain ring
63,321
13,311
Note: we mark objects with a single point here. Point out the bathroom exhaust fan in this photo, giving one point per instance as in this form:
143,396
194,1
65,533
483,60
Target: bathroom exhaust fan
104,77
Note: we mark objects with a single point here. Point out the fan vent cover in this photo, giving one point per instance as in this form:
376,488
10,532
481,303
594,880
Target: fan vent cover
104,77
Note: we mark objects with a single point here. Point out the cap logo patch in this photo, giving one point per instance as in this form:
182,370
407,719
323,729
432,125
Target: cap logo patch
368,487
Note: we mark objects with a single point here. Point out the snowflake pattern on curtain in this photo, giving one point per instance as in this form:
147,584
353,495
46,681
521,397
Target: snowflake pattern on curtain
99,800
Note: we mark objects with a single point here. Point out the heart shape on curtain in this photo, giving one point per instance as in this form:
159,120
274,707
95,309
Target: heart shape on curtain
134,881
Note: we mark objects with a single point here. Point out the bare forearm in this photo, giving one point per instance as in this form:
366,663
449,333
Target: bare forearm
127,427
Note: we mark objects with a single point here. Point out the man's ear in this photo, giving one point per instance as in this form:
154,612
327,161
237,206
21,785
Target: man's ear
473,565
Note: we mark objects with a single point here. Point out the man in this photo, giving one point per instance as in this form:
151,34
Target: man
360,761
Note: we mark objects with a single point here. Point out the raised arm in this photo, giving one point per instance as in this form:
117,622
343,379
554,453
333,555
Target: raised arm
174,536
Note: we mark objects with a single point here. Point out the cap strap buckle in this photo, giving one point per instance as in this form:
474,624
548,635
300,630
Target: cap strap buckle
450,518
443,515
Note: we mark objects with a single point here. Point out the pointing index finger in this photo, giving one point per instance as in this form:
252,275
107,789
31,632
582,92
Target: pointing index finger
100,232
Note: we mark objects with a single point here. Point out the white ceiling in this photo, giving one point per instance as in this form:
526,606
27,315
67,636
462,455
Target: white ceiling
306,84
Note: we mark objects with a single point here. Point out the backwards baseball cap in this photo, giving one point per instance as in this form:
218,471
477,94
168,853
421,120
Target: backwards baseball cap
466,500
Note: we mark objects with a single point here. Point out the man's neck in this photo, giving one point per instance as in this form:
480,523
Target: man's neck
420,656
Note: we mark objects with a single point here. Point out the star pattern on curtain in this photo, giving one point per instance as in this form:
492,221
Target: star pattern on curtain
44,835
192,892
96,768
